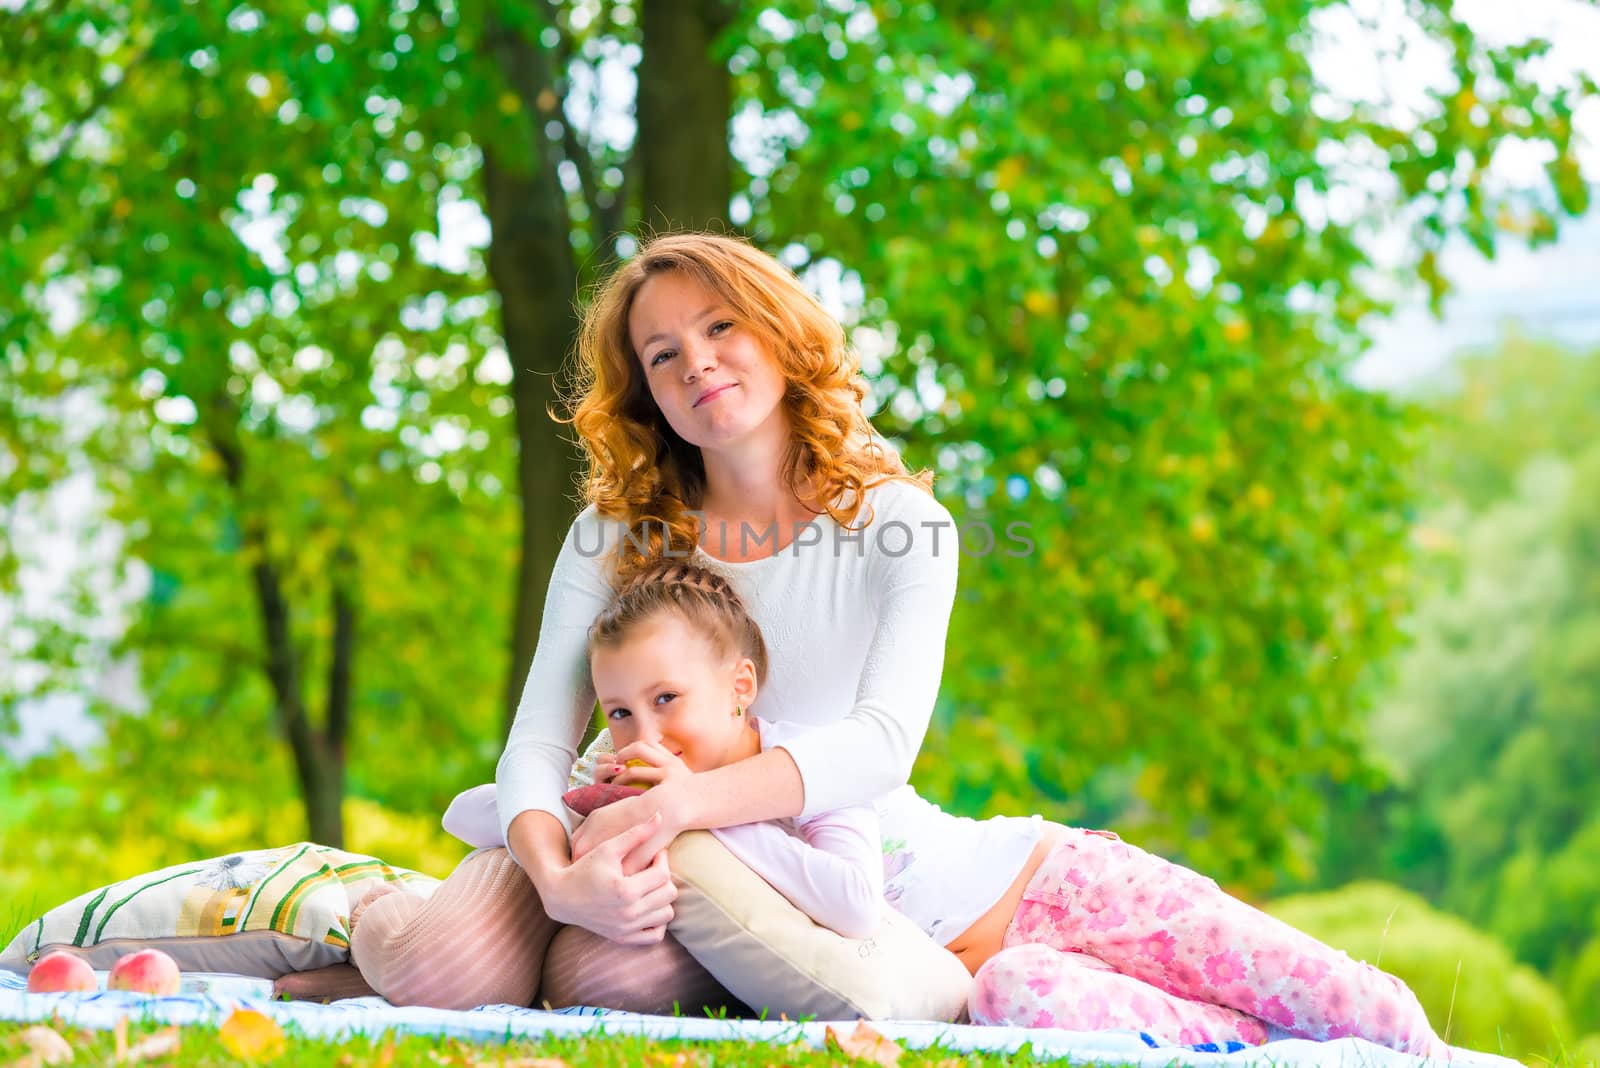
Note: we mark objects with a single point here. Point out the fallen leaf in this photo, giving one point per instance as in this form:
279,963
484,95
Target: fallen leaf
385,1056
251,1035
119,1036
46,1046
534,1062
151,1046
681,1059
866,1044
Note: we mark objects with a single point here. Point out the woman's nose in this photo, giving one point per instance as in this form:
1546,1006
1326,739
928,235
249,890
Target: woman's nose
698,359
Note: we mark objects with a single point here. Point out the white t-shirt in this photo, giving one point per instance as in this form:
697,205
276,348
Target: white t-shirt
944,872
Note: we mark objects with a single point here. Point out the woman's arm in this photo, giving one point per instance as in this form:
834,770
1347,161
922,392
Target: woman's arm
763,787
596,892
558,697
869,751
625,900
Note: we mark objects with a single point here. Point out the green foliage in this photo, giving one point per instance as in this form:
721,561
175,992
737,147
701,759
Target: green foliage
1495,717
1461,975
314,409
1109,292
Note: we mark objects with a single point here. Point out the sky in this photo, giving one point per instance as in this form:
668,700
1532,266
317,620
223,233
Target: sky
1551,292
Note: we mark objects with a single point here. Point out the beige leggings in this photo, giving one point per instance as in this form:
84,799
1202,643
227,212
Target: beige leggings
482,938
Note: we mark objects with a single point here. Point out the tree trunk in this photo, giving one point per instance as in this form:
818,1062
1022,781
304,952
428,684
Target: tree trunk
685,181
685,97
318,754
532,266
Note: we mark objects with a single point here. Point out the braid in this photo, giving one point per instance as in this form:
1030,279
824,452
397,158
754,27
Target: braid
701,597
677,572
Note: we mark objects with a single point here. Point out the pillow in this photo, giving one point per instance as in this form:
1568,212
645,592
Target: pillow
771,955
264,912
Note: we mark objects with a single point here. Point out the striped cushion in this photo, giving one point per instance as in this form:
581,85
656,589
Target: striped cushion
263,912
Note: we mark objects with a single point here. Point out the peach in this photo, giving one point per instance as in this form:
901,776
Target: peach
61,972
148,971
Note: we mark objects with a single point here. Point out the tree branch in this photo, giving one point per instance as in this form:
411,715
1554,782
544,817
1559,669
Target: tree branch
281,664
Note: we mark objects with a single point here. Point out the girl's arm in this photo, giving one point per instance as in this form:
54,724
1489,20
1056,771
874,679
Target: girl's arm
558,697
833,872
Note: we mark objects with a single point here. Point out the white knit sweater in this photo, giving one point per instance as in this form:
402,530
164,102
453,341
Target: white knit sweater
855,629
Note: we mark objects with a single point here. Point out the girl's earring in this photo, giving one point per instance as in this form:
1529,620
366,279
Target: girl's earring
738,710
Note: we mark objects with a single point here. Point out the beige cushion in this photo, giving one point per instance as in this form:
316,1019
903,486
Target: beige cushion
773,956
263,912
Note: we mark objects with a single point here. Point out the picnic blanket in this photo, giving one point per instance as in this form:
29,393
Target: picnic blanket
208,999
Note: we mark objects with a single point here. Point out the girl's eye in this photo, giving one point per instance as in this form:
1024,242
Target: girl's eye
720,325
663,698
618,713
658,357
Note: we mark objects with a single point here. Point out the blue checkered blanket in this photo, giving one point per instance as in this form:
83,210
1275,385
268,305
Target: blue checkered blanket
209,999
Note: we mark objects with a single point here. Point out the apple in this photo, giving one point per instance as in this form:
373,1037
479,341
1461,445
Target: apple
61,972
148,971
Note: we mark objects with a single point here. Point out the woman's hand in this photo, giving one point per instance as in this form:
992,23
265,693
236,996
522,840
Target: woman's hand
664,809
651,765
597,892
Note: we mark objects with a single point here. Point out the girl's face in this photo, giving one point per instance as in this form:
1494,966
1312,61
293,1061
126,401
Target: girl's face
666,685
711,376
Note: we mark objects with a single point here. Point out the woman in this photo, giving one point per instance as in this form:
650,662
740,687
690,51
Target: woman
721,413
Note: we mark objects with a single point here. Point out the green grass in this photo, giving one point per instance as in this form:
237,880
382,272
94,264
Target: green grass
202,1046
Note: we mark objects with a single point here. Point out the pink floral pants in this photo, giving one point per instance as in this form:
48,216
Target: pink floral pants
1109,936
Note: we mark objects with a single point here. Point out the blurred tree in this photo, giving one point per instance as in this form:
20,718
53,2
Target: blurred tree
1108,264
1114,267
1494,723
292,382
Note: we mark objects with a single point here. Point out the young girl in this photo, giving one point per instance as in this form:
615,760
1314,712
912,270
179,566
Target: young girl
677,663
1063,927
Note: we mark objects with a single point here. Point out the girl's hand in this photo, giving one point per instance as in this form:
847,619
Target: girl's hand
648,764
662,808
598,893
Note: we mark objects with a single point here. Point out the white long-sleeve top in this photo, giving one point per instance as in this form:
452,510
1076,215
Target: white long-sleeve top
855,627
829,865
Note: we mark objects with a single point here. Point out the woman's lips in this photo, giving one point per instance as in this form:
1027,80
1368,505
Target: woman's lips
714,394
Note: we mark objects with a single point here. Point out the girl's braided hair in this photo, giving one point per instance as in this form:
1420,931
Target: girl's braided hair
701,597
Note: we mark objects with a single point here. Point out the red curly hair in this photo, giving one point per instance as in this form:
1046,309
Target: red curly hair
642,472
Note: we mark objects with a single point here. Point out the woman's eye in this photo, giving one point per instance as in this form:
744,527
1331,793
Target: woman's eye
662,355
720,325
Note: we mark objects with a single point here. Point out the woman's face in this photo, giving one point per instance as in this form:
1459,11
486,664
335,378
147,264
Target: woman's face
666,685
711,376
